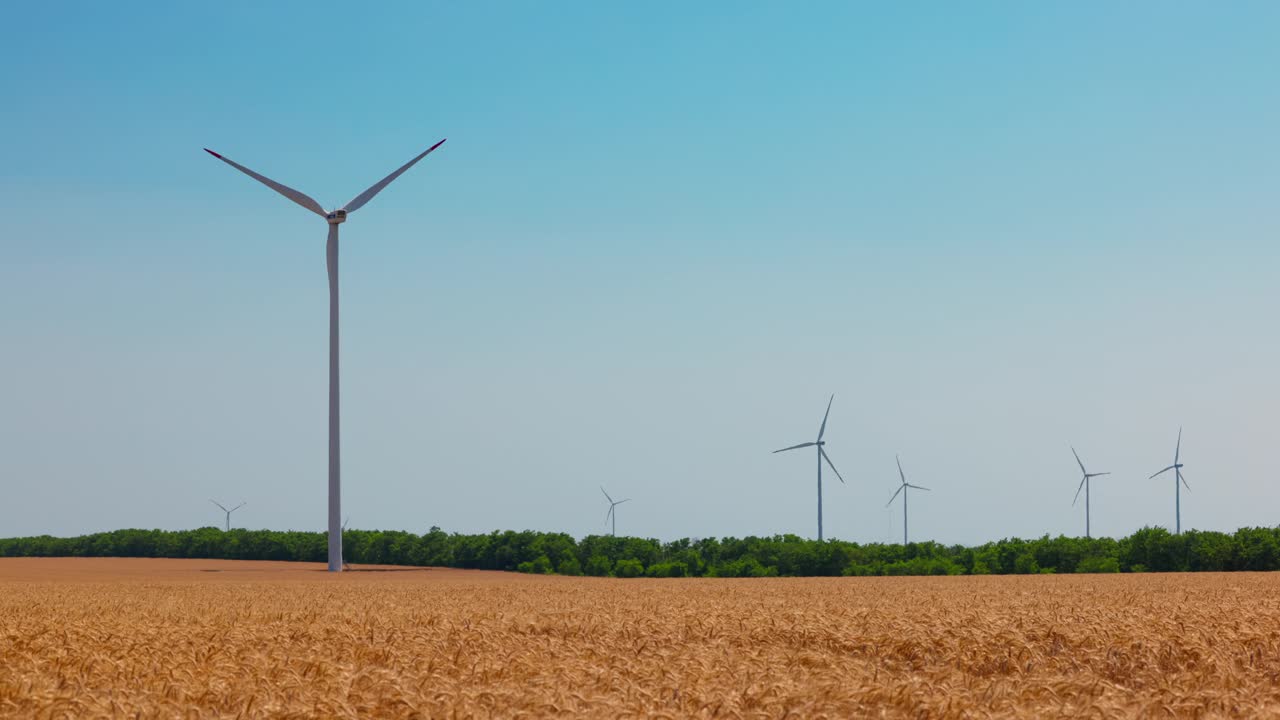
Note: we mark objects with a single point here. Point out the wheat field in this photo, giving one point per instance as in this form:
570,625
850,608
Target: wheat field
177,639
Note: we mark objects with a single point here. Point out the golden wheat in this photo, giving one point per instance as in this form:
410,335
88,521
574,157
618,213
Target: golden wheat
157,638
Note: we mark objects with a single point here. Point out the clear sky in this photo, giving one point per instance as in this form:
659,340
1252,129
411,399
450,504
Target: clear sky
659,236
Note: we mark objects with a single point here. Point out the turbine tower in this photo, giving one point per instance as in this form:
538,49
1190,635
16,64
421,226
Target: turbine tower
1178,482
612,515
822,455
334,218
903,489
228,512
1084,485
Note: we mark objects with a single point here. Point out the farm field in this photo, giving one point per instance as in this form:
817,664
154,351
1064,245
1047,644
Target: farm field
211,638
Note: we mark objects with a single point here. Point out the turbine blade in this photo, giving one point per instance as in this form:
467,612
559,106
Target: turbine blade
900,473
215,502
1178,450
622,501
1078,461
895,495
1093,475
606,494
301,198
825,415
607,515
831,464
919,487
239,506
1184,480
367,195
1077,497
1163,471
795,447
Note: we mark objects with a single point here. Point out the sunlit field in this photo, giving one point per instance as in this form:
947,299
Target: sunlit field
192,638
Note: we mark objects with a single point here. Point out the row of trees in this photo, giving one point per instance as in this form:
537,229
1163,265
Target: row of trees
1147,550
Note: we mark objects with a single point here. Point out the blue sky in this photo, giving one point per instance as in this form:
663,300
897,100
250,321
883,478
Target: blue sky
657,239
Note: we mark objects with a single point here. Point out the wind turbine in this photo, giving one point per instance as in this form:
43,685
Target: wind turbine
228,512
612,514
822,455
903,489
1084,485
334,218
1178,482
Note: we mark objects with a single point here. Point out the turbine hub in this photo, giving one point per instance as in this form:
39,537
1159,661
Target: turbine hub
336,217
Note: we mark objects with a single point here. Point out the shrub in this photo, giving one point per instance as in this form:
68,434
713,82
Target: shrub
1026,564
570,566
539,566
745,567
1098,565
599,566
668,570
629,569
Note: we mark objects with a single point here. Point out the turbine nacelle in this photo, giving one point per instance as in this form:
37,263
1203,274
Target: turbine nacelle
336,217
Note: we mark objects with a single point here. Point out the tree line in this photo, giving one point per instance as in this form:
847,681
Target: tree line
1147,550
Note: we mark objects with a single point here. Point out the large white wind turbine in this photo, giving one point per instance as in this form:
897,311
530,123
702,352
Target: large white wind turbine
228,512
334,218
1084,485
612,515
1176,467
822,455
903,489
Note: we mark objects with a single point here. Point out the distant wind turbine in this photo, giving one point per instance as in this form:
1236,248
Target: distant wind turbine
334,218
612,515
1178,482
903,489
345,565
228,512
1084,485
822,455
